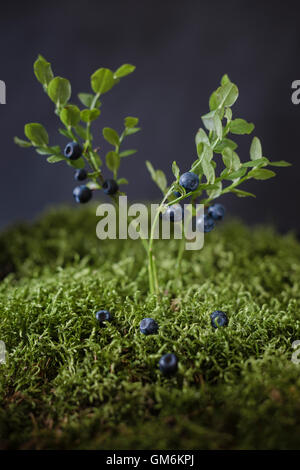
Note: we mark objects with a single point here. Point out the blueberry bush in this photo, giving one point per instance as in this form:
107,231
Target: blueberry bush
202,183
79,153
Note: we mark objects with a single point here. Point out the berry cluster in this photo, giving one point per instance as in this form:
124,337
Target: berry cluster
168,363
73,151
214,213
190,182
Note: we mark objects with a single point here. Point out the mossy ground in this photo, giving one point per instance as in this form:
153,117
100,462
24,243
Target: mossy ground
69,384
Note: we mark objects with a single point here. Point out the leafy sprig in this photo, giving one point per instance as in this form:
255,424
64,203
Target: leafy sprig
213,141
77,122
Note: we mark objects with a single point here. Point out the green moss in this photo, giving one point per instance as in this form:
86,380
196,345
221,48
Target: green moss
70,384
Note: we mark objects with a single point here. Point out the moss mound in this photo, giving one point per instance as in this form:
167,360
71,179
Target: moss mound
70,384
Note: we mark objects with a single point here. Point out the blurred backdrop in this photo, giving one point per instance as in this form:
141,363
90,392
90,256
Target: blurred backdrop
181,50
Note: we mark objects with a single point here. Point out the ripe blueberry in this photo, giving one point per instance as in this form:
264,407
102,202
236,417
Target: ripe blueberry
173,213
110,187
168,363
189,180
82,194
216,211
148,326
80,175
103,316
73,151
205,223
218,319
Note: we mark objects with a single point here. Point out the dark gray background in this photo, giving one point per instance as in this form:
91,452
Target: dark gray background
181,50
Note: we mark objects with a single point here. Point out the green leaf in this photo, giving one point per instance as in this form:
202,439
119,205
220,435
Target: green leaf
78,164
236,174
208,120
112,162
218,126
42,70
151,170
261,174
81,131
200,148
224,173
126,153
66,133
122,181
215,191
208,171
49,150
240,126
36,133
207,154
102,81
131,130
161,180
228,94
236,161
70,115
22,143
175,170
255,149
280,163
227,157
228,114
231,159
89,115
208,186
213,101
158,177
224,96
225,143
254,163
124,70
111,136
202,137
131,121
87,99
225,79
55,158
241,193
59,91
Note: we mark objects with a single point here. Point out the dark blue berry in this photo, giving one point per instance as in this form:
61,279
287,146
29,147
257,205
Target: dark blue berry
80,175
177,193
218,319
173,213
205,223
216,211
189,180
148,326
110,187
82,194
103,316
73,151
168,363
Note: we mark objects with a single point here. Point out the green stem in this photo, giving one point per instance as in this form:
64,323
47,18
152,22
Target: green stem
180,255
182,243
153,280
